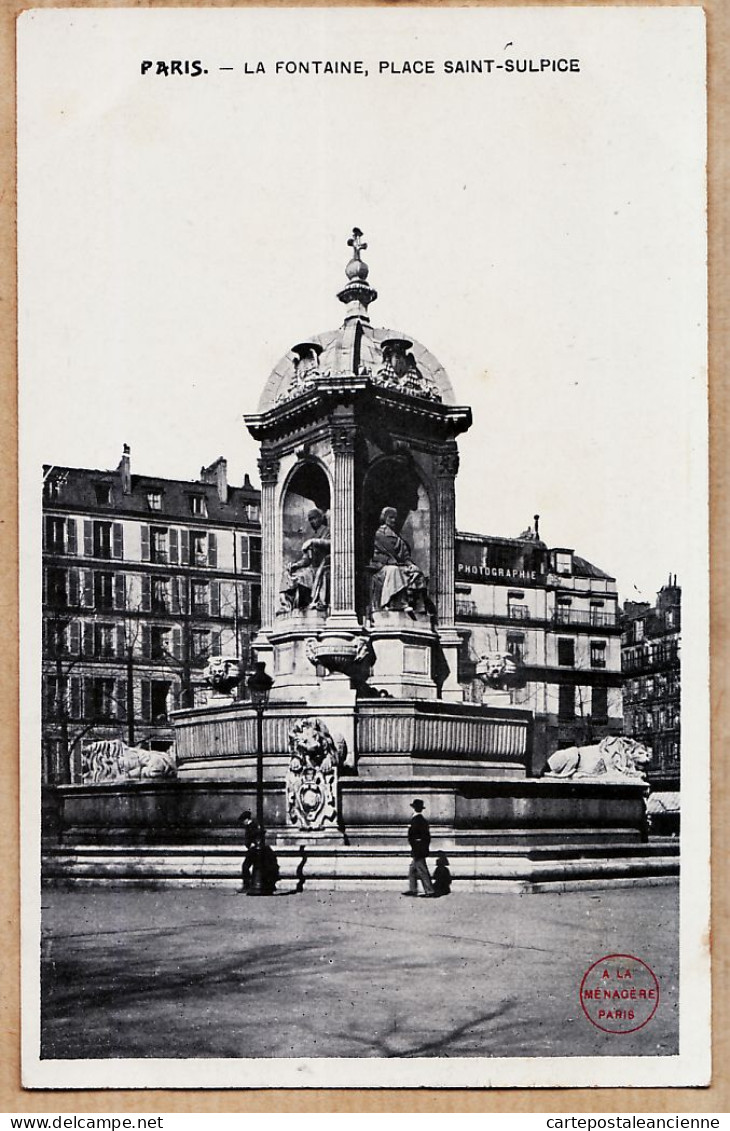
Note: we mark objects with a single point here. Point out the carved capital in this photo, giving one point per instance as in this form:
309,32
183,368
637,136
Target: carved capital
447,464
343,440
268,469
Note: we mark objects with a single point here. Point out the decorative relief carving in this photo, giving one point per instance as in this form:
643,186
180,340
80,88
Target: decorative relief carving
311,779
337,652
268,469
399,371
448,463
223,674
306,371
498,670
343,440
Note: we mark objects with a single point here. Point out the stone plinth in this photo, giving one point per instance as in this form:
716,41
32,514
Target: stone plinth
487,813
386,738
403,647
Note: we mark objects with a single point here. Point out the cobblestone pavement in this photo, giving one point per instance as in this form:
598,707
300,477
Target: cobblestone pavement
199,972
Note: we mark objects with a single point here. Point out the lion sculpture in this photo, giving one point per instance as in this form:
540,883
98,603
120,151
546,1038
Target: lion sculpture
311,779
113,760
617,759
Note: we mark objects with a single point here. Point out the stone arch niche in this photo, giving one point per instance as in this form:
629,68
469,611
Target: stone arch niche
306,489
393,481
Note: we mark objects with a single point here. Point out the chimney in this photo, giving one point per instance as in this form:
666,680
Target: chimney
217,476
537,525
125,471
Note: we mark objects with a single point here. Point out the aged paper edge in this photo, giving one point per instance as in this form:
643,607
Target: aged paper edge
714,1098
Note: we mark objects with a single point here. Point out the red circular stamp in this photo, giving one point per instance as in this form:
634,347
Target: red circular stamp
619,993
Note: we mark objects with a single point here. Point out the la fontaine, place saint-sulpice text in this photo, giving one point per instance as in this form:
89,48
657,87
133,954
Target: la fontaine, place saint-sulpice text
195,67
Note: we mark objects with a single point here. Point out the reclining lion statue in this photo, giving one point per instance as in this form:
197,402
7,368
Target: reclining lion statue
617,759
112,760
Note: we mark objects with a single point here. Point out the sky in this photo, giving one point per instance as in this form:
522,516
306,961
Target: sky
541,233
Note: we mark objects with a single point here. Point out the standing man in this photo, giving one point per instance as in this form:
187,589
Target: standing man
419,838
250,838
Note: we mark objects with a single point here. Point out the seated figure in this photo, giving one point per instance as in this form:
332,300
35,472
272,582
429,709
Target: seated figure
398,583
307,581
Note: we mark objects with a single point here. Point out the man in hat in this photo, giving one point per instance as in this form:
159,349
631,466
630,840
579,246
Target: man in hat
250,839
419,838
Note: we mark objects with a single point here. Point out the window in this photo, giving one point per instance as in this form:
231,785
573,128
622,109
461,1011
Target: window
158,544
599,704
199,598
516,607
53,485
159,690
566,702
563,610
256,604
104,640
56,638
103,590
253,512
199,506
250,553
155,694
638,630
566,652
198,548
52,707
102,539
159,643
55,535
56,588
201,644
563,562
103,701
598,653
516,646
103,494
154,500
159,598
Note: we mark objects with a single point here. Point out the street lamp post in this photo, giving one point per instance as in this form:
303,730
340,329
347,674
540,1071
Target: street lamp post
259,687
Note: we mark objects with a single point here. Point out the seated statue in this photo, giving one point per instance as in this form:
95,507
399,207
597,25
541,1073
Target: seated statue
399,583
306,582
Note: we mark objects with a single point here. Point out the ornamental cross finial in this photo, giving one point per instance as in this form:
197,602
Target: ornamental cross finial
357,243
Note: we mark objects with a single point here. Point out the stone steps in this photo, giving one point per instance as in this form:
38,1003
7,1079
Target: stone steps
507,868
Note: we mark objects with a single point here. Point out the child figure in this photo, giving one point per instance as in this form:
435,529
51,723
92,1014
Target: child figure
442,875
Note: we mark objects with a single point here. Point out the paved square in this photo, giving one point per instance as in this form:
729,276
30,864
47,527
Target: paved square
196,972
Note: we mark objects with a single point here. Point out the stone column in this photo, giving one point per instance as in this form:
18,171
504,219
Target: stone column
269,473
343,528
447,465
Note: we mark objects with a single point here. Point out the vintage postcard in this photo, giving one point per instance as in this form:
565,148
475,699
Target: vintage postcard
364,547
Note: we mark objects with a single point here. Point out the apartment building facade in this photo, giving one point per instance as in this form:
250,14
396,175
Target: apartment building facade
650,654
557,614
144,579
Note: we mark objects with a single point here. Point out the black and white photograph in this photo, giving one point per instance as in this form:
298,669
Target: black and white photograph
364,547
